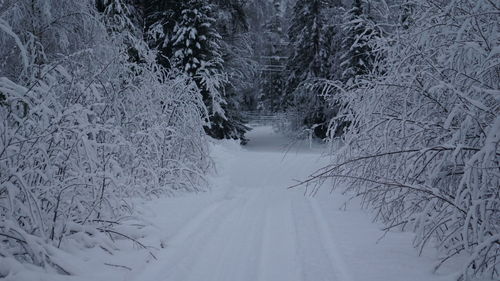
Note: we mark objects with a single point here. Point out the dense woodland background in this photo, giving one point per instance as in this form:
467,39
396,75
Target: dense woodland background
103,101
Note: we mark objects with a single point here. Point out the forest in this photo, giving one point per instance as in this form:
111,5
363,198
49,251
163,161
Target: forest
104,103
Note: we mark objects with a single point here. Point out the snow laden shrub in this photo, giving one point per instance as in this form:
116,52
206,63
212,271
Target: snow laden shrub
423,146
85,129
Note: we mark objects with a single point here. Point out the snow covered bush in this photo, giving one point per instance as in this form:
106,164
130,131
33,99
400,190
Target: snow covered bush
86,126
423,146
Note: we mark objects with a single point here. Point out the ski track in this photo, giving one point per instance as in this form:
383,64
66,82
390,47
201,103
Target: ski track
327,239
279,249
258,231
262,234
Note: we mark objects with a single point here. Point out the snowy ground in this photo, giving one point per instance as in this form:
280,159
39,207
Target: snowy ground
249,227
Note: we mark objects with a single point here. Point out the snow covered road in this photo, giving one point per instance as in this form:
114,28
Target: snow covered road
250,227
259,230
254,229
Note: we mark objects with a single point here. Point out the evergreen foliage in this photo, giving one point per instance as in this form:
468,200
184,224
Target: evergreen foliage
186,34
274,51
310,61
359,33
195,40
239,65
423,146
161,17
103,102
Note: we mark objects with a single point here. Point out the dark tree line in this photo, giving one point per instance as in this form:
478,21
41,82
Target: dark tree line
190,37
326,41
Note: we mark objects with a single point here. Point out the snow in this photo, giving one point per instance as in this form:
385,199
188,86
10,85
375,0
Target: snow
250,227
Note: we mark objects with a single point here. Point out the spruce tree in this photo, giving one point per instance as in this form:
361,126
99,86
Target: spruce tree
186,37
124,20
237,53
197,52
195,39
161,17
274,50
359,57
309,62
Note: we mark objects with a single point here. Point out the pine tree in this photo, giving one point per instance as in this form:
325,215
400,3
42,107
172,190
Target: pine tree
124,21
237,53
197,51
305,41
275,49
309,62
161,17
195,40
232,17
359,57
118,14
186,36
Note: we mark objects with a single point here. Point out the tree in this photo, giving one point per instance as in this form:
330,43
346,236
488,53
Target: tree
359,34
85,127
238,54
423,148
273,60
186,35
309,62
161,17
196,44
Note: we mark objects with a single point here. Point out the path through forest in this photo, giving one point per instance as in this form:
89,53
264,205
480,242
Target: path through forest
254,229
249,227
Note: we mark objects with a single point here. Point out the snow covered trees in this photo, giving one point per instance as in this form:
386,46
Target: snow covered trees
309,35
196,52
86,127
423,148
195,40
274,54
161,17
359,57
186,35
239,65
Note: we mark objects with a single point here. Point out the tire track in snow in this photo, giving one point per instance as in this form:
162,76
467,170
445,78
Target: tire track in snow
263,232
182,248
238,260
279,260
327,239
313,256
211,262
